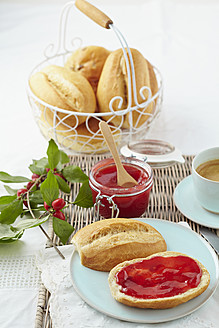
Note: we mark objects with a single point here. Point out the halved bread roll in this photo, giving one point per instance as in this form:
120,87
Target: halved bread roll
103,244
62,88
89,62
114,82
158,286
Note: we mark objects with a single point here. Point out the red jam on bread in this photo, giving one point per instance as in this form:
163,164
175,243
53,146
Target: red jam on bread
159,277
132,202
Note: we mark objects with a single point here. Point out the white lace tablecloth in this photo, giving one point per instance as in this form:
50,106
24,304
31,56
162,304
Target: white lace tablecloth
68,310
20,280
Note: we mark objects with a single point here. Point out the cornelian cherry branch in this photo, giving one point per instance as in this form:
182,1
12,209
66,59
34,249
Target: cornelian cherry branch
54,245
42,229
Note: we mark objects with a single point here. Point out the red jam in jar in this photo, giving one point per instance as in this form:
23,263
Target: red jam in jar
131,202
159,277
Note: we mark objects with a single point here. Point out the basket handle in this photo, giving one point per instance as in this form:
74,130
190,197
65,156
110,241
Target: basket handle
93,13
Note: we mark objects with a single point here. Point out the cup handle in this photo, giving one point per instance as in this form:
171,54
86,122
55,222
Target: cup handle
93,13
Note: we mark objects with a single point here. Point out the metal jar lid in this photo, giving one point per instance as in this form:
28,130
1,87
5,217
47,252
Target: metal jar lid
157,153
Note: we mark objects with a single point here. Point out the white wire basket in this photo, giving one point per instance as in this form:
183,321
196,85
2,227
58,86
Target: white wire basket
70,138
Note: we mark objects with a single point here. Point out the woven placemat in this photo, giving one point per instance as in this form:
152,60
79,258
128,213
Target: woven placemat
161,206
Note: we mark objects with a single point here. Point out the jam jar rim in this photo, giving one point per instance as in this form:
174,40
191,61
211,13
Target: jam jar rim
124,191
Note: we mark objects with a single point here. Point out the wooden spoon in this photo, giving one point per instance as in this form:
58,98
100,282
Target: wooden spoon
123,178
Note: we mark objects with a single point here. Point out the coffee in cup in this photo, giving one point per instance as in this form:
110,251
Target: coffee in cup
205,175
209,170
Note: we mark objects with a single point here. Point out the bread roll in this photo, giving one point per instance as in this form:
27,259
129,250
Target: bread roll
103,244
59,87
156,303
114,82
86,138
89,62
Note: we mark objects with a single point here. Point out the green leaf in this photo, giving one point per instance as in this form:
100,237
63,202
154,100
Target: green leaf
30,223
42,162
39,166
10,190
49,188
64,159
38,170
74,173
53,154
62,229
11,212
59,167
63,186
36,197
5,177
6,200
84,197
8,234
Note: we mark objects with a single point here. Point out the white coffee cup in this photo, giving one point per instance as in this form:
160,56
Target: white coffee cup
206,191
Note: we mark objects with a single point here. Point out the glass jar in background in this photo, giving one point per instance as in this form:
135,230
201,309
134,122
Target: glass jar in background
107,195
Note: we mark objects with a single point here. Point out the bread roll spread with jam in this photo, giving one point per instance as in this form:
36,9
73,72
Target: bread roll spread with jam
103,244
89,62
114,82
62,88
160,281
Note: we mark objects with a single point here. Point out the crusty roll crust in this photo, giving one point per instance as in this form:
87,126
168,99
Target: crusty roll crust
103,244
64,89
159,303
89,62
114,82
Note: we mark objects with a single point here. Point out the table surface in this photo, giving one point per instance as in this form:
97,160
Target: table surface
178,37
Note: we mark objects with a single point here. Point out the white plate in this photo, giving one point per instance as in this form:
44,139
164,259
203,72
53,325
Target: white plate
185,200
93,288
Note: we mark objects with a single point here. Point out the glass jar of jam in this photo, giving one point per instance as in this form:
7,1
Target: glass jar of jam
109,197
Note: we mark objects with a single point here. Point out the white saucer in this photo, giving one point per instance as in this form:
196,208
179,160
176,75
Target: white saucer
185,200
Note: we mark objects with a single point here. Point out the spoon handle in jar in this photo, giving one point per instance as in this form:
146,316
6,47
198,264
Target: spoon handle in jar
124,179
106,132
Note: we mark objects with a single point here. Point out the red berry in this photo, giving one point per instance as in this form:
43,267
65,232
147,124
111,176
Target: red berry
35,176
58,204
59,215
21,192
47,207
29,185
25,203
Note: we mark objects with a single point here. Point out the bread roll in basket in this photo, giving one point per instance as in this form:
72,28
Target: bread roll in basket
89,62
64,89
114,82
71,91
